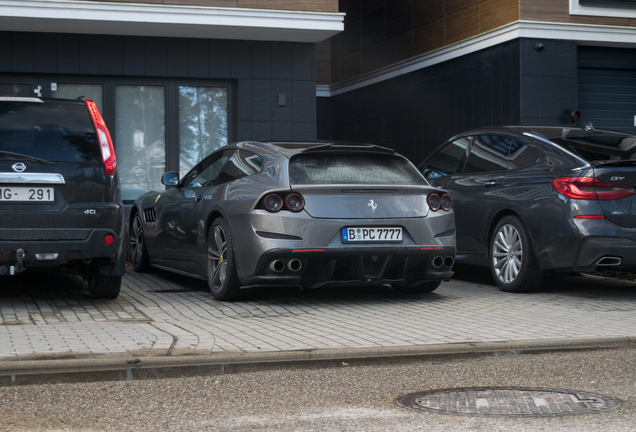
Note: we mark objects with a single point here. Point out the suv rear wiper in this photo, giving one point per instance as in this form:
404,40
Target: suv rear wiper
18,156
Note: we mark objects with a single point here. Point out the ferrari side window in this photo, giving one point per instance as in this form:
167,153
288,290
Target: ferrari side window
207,171
241,164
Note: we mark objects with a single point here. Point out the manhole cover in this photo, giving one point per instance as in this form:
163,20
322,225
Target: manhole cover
508,401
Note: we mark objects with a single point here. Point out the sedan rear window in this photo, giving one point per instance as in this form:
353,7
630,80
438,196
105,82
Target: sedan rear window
53,131
352,169
601,147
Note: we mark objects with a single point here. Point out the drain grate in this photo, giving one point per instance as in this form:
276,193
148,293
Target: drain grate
508,402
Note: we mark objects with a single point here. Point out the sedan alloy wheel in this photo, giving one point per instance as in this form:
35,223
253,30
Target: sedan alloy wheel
507,254
512,260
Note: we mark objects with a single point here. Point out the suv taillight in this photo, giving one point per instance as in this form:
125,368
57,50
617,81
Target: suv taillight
590,188
105,142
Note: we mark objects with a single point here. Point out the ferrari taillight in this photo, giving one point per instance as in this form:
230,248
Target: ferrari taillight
437,201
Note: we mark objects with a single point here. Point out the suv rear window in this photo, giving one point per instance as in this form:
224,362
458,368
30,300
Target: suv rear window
352,169
53,131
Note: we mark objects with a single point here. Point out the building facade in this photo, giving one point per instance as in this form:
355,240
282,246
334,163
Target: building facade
409,74
174,79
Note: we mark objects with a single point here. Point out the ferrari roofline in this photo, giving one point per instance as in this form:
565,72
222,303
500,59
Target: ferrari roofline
290,148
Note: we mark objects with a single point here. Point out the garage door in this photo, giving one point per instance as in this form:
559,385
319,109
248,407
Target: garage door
607,88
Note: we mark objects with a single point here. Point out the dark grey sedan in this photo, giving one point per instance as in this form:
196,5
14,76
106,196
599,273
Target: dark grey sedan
257,214
534,201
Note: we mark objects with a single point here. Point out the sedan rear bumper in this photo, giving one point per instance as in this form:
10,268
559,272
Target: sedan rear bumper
344,265
606,252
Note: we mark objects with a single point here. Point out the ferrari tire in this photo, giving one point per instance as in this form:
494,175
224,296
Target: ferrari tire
221,266
138,251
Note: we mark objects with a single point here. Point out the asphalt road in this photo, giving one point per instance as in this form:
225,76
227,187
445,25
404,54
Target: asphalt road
356,395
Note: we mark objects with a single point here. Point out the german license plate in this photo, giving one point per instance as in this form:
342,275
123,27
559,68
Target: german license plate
369,234
27,194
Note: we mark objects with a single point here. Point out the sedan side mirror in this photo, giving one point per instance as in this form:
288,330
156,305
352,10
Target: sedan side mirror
170,178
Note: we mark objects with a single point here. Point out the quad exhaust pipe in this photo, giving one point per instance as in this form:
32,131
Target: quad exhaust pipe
439,261
293,265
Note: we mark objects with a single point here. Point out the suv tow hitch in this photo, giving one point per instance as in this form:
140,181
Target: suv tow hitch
12,270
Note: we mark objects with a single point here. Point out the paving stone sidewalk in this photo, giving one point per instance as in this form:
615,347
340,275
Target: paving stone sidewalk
47,317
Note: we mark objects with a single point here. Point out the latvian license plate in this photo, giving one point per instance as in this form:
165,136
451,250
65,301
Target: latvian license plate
368,234
27,194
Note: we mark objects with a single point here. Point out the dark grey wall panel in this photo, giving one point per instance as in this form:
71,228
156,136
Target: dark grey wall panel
302,62
245,99
548,81
134,56
68,54
282,113
5,52
177,52
261,62
261,100
23,58
300,131
260,71
90,49
262,131
46,53
156,57
113,55
304,101
198,58
282,131
282,61
240,52
220,60
415,113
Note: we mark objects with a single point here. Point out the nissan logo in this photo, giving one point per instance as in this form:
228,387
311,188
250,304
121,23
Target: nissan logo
19,167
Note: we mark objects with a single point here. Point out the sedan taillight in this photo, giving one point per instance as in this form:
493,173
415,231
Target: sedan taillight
589,188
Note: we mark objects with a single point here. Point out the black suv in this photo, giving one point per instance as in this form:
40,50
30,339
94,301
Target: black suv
60,199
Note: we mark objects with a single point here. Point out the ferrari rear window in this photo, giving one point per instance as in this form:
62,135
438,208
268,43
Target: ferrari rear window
352,169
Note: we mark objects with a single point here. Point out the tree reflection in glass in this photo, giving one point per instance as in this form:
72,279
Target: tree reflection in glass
203,124
141,136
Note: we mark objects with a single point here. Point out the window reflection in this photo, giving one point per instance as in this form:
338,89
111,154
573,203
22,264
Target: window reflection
88,91
141,136
203,124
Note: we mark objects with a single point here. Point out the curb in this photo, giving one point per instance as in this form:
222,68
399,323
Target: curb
113,363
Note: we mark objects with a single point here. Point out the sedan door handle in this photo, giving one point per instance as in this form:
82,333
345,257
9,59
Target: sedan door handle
490,184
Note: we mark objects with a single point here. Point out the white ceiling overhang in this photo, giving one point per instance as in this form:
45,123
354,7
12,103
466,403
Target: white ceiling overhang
134,19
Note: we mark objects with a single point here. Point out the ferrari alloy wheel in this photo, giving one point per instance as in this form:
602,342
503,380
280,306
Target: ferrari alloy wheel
512,260
221,268
138,251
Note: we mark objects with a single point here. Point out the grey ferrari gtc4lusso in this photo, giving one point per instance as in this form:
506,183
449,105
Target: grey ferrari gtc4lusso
256,214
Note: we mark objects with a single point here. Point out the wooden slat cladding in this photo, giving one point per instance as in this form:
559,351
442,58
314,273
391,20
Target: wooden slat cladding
559,11
402,29
291,5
